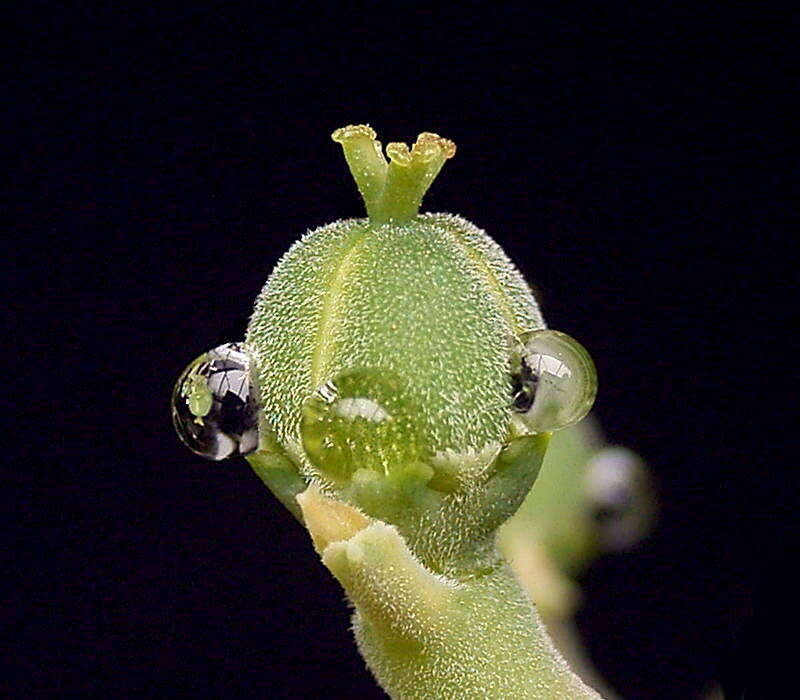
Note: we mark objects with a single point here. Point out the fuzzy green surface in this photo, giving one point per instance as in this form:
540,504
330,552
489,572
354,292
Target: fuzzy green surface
435,301
427,636
435,305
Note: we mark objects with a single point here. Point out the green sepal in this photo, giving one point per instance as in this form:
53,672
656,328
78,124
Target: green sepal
278,472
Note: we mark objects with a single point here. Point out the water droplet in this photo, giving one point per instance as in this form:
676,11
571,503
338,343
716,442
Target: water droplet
621,499
214,407
361,419
554,381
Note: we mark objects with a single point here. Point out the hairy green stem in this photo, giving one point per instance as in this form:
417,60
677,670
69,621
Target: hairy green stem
425,635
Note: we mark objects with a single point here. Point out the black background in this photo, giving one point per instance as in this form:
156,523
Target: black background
633,162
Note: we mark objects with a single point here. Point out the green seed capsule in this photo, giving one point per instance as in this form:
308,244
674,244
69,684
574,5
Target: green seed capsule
381,366
390,413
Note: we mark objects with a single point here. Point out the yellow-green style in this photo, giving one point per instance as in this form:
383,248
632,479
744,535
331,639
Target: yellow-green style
406,389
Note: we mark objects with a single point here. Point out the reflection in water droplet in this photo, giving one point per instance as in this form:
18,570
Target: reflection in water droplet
554,381
361,419
214,408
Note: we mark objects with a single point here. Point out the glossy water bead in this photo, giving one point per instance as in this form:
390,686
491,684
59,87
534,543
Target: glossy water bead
361,419
214,408
554,381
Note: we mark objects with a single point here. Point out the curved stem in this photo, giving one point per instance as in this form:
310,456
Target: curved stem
567,640
428,636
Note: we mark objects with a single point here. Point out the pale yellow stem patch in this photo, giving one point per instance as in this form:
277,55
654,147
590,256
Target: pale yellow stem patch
328,520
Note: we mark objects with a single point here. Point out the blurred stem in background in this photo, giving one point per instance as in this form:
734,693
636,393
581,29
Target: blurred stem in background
589,499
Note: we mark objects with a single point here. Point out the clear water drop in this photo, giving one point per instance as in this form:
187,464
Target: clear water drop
214,408
361,419
554,381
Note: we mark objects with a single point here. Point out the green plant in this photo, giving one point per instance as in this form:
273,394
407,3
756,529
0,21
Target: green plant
397,390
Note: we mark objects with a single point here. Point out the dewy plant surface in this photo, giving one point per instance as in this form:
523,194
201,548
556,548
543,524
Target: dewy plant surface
404,387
